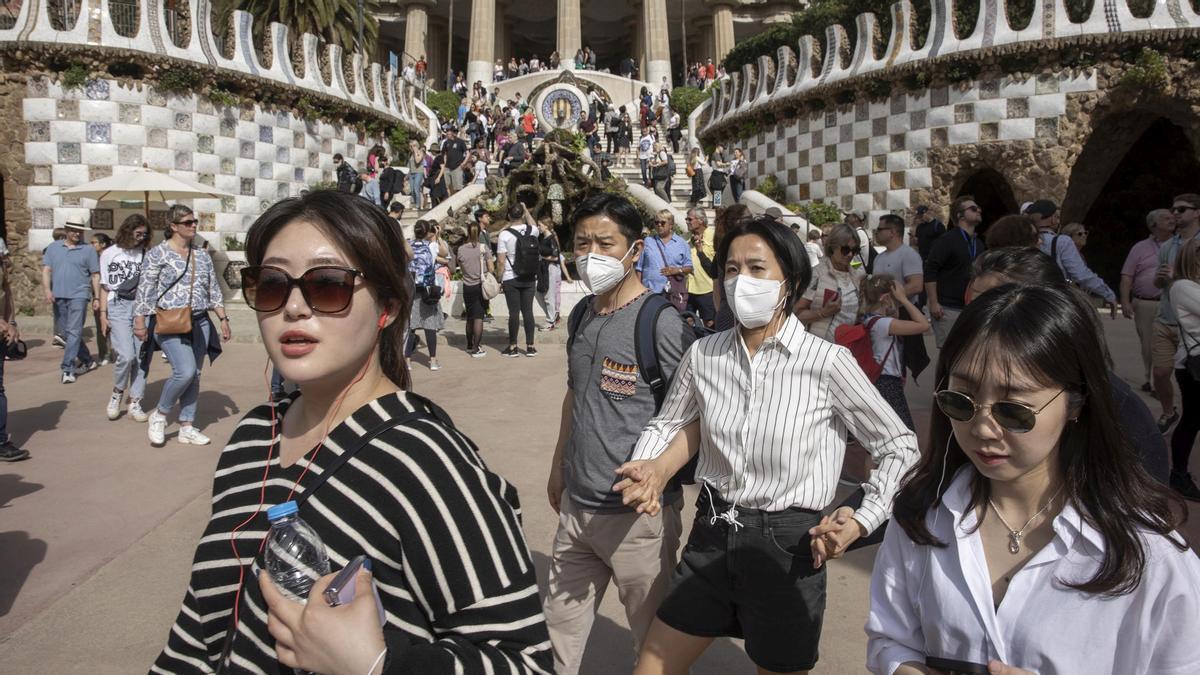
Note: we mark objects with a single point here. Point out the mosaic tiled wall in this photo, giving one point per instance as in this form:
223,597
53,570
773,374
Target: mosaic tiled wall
258,155
871,156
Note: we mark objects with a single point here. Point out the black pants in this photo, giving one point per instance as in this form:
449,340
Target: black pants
519,296
430,342
1184,436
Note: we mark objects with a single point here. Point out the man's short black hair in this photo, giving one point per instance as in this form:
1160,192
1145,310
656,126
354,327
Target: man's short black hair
617,208
891,220
338,156
396,207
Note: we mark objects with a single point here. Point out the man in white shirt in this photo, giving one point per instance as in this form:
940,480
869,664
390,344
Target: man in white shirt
645,152
518,286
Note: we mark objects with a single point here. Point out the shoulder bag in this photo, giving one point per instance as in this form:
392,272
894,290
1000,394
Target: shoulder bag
1191,362
128,288
489,286
176,321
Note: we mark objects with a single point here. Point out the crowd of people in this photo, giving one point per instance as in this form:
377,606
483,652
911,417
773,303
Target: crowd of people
1044,489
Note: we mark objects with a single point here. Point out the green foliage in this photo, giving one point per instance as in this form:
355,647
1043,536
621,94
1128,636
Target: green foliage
1148,73
179,79
322,185
819,213
223,97
685,100
962,70
771,188
878,89
75,76
334,21
444,103
232,243
398,138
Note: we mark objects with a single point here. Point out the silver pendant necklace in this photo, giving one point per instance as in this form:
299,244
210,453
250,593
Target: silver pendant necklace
1015,536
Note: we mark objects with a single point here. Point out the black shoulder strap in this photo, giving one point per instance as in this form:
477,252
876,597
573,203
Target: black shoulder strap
1054,248
182,274
575,320
426,409
646,345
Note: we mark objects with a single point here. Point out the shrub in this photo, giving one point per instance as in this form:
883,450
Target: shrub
444,103
75,76
178,79
819,213
771,188
222,97
685,100
232,243
1149,72
398,138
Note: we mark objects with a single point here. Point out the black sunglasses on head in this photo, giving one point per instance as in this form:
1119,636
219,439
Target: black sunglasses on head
327,289
1019,418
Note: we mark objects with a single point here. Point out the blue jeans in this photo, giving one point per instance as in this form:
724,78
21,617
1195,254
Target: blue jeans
183,387
73,311
415,180
127,347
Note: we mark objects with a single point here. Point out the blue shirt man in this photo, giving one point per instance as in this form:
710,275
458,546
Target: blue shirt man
664,255
71,278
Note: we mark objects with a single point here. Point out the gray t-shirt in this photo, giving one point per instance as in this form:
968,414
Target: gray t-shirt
901,263
613,402
71,269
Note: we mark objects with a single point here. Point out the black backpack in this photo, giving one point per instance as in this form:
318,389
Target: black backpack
645,343
526,260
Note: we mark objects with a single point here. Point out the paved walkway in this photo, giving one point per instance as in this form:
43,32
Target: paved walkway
98,529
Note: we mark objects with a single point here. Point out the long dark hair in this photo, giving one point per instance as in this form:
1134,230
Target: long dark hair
125,237
1046,332
371,240
787,248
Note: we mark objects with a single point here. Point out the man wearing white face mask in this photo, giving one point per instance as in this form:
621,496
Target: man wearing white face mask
767,407
612,392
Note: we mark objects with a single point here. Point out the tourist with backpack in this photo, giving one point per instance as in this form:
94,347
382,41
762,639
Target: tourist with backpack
518,258
623,348
875,340
429,288
774,405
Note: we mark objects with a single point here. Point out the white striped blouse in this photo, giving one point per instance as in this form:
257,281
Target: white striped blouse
450,560
773,427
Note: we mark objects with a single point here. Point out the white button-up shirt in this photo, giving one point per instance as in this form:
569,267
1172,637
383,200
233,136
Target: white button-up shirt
931,601
773,426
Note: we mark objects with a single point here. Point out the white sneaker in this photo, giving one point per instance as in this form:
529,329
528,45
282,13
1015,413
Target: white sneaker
192,436
68,378
434,365
114,406
136,412
158,428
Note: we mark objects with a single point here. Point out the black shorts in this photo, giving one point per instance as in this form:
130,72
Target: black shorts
755,582
473,301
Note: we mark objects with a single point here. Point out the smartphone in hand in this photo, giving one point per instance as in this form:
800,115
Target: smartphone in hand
342,589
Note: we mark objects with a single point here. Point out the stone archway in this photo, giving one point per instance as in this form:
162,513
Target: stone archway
992,193
1132,163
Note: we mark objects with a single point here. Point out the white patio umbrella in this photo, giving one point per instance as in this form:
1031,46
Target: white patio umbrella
145,185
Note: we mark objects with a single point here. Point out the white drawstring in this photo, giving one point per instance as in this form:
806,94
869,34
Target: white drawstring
730,515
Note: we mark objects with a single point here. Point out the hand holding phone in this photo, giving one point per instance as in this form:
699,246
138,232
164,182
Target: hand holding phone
343,588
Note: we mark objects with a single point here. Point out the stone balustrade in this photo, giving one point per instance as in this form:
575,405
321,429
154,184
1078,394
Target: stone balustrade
814,68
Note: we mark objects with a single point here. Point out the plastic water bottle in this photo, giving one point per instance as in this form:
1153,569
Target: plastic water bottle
295,557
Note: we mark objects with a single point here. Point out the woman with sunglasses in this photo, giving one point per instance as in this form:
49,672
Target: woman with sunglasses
1028,539
178,274
832,298
120,267
448,560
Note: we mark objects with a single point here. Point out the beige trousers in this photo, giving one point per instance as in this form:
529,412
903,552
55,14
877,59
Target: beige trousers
590,549
1144,312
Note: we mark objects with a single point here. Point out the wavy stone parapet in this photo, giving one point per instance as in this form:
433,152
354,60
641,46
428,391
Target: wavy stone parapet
810,67
381,92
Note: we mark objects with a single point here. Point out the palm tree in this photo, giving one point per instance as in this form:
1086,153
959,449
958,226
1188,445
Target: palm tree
334,21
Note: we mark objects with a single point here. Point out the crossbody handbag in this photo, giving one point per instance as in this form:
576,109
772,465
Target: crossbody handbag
489,286
128,288
176,321
426,410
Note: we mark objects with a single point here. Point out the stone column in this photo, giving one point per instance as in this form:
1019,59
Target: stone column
723,39
704,32
481,49
416,31
436,57
569,34
502,45
656,38
635,29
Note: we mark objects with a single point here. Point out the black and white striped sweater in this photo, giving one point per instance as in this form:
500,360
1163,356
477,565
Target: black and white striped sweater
444,534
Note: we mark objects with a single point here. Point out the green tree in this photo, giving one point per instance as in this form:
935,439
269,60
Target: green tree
334,21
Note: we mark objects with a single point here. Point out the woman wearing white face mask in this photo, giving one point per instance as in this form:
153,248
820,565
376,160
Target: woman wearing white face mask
773,405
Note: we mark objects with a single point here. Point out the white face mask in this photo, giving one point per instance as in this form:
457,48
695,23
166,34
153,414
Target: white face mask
753,301
602,273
